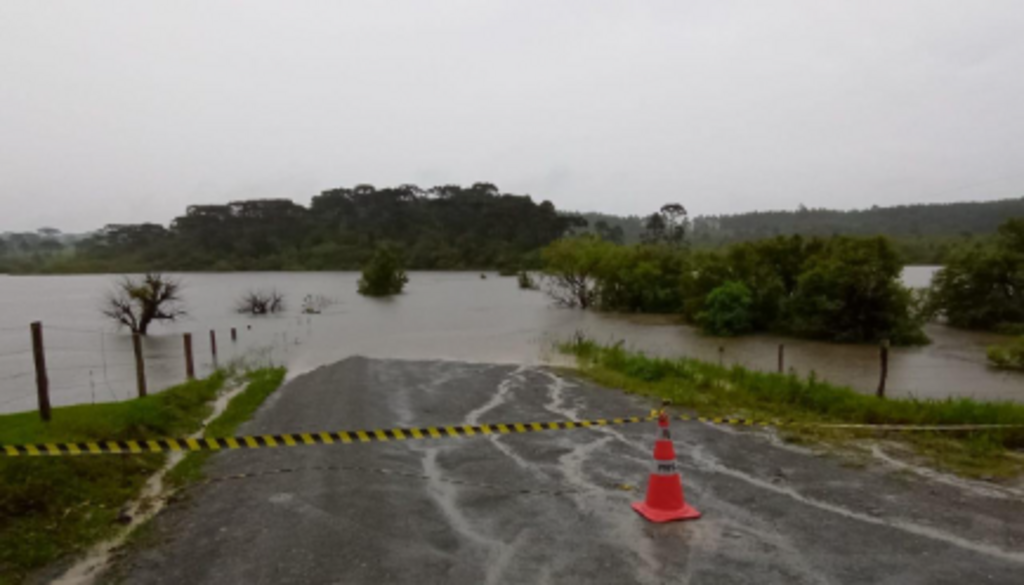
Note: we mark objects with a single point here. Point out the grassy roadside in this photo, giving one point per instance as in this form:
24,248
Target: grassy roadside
713,390
261,384
51,508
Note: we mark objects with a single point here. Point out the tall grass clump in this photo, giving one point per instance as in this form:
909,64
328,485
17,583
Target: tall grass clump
1008,355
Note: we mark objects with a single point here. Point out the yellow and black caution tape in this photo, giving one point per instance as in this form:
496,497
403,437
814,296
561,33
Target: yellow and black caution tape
300,439
403,434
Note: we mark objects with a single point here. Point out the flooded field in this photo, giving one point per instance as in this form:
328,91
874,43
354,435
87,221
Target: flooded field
453,316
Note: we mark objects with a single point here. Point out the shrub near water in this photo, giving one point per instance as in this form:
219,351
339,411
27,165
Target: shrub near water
383,275
727,310
1008,355
840,289
982,285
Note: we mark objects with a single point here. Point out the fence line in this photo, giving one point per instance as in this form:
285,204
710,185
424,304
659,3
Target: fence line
69,376
83,331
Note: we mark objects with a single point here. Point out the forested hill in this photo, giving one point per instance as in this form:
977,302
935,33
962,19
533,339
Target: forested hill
445,227
450,227
904,222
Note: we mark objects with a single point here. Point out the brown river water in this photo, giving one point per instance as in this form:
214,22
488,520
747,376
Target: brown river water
442,315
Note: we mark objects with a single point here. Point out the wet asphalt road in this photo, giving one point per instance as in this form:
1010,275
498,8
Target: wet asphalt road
772,513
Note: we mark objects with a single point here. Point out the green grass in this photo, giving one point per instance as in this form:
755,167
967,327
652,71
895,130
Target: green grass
1009,355
718,391
51,508
261,384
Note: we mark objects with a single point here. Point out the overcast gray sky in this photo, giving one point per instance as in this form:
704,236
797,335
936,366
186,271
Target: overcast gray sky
129,111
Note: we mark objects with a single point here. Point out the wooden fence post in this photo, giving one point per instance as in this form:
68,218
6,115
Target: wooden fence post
721,355
234,335
213,347
782,358
190,368
884,353
140,365
42,380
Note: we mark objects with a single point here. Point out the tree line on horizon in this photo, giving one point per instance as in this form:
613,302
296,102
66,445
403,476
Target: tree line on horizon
922,234
447,227
454,227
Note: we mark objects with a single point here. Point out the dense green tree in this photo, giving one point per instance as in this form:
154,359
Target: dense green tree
654,229
667,226
641,278
383,275
982,285
843,289
571,266
609,233
769,269
728,310
706,272
850,291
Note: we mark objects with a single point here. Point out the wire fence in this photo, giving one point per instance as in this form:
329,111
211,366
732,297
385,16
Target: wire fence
86,365
61,366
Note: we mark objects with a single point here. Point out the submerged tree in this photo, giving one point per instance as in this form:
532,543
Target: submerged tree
850,291
260,302
315,304
136,302
982,285
383,275
571,266
526,281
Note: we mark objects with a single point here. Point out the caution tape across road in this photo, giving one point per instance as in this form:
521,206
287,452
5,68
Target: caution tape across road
301,439
404,434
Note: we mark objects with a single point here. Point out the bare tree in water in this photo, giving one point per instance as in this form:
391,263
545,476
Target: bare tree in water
136,302
260,302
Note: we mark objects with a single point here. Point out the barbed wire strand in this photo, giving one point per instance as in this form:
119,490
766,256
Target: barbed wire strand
82,331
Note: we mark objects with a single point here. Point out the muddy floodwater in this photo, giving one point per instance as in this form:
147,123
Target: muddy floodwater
453,316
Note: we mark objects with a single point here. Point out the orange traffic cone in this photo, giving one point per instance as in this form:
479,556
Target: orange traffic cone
665,501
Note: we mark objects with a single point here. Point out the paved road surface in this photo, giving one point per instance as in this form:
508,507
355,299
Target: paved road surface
772,514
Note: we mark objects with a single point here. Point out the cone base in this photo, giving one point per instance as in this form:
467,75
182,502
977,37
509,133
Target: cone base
656,515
